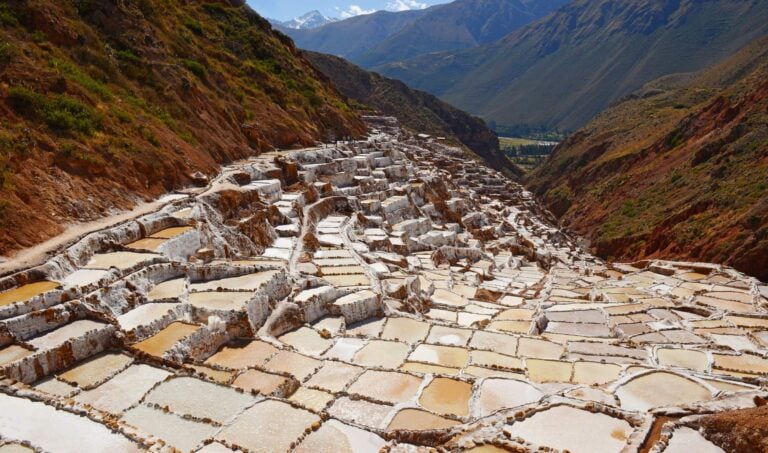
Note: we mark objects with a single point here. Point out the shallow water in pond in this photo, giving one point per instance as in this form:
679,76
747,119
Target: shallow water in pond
447,397
164,340
418,420
577,431
660,389
279,426
26,292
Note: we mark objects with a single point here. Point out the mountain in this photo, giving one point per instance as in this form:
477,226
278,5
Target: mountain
416,110
354,36
389,37
312,19
677,170
106,104
560,71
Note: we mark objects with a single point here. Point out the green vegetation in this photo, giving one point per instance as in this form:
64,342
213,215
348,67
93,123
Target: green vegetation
77,75
6,53
59,112
195,67
7,15
194,26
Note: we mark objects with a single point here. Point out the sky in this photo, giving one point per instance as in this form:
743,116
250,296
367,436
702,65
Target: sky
288,9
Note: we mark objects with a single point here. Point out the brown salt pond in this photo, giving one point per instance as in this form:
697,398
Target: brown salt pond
337,437
243,355
279,427
261,382
226,301
151,244
170,233
497,394
315,400
13,353
249,282
447,397
119,260
388,387
549,370
744,363
96,370
166,339
660,389
595,373
447,356
419,420
171,289
577,431
26,292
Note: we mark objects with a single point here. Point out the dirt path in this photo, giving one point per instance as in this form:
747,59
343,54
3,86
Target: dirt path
38,254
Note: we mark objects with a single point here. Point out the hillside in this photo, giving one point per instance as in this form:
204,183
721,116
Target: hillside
559,72
415,109
678,170
385,37
107,104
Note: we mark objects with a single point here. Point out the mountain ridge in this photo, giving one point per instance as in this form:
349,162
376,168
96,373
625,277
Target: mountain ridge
560,71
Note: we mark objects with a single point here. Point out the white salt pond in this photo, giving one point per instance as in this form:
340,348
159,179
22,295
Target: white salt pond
56,430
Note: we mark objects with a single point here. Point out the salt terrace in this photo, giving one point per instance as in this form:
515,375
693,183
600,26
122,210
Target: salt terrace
388,295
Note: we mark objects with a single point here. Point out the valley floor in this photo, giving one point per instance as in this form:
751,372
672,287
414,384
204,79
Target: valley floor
380,295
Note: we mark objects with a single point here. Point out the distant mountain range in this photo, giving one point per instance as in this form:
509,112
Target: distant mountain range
312,19
530,65
386,37
677,170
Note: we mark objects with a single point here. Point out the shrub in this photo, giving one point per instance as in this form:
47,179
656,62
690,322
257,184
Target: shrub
194,26
6,53
60,112
195,67
8,16
66,113
77,75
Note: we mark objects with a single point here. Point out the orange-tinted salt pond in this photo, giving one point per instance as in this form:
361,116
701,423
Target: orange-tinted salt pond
447,396
418,420
26,292
164,340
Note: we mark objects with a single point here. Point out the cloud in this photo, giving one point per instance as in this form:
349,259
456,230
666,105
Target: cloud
355,10
405,5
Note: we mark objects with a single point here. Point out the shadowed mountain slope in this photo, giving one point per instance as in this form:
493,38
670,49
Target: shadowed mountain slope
678,170
559,72
415,109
